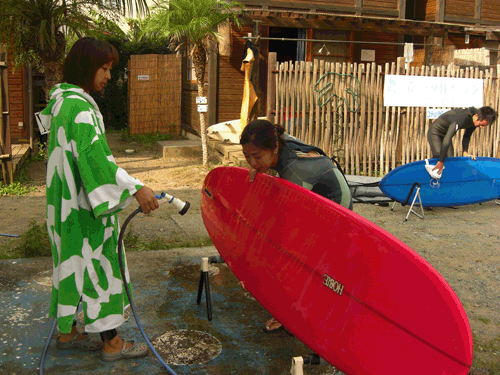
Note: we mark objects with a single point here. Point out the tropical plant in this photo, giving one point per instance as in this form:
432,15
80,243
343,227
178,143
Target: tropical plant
37,30
194,24
113,104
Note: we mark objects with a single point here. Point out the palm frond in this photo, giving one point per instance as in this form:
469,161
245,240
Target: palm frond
193,19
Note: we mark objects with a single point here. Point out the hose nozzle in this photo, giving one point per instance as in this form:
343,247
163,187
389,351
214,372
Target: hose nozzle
181,206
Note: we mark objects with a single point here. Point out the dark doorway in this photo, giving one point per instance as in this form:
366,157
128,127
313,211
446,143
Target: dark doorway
285,50
414,12
410,14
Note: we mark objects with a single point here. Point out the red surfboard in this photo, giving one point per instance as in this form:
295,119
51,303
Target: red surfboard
357,296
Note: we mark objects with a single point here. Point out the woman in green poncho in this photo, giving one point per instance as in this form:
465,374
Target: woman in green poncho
85,191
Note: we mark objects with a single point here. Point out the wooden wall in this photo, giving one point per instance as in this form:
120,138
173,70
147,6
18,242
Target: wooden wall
460,8
339,52
368,6
458,40
490,10
384,53
382,4
425,10
17,101
317,3
190,115
230,83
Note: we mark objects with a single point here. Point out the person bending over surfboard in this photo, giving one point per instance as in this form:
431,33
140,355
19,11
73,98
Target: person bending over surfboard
444,128
267,146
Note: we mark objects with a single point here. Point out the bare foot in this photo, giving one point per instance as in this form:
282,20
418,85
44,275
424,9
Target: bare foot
115,345
272,324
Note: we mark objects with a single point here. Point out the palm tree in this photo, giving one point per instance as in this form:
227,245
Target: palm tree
194,23
37,29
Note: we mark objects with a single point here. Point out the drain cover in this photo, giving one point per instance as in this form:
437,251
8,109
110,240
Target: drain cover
44,278
187,347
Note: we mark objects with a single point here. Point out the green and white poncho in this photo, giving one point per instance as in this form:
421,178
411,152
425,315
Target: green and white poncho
85,190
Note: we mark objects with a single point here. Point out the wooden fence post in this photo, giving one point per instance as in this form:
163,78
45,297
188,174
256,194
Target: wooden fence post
213,71
271,87
400,120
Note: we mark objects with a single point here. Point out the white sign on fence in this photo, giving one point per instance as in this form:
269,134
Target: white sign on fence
201,100
417,91
367,55
202,108
434,113
144,77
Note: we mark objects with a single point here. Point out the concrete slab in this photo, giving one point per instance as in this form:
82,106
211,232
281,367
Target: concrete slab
165,285
181,148
190,224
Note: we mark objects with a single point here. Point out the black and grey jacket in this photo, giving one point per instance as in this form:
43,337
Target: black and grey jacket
318,174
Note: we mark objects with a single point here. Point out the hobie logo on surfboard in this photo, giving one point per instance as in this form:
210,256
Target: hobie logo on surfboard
333,284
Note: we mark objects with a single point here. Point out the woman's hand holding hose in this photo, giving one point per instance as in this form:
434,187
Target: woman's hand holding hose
146,199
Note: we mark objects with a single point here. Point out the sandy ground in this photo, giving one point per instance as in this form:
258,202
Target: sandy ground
462,244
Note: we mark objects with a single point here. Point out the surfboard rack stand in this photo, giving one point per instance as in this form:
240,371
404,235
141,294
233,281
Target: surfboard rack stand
417,195
299,362
205,280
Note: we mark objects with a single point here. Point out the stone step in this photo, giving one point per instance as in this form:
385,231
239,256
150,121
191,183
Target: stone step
180,148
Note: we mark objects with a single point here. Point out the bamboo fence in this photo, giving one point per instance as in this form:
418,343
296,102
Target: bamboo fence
339,108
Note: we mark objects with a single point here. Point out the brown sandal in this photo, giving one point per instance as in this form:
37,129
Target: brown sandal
85,345
135,351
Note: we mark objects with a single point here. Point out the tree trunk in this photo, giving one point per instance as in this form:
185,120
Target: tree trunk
53,75
203,129
199,62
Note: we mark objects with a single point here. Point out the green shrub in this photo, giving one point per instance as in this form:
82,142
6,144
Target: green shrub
43,152
15,188
35,242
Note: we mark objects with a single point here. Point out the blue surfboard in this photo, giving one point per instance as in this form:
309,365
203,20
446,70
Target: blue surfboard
463,181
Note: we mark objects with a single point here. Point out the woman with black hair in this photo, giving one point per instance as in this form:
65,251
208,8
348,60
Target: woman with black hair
267,146
85,191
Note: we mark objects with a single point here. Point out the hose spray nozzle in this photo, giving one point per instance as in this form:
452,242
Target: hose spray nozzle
181,206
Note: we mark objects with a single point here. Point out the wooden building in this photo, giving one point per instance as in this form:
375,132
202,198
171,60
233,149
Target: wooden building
16,134
356,31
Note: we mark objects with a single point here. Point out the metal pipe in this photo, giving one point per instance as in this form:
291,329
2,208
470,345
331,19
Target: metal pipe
333,41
